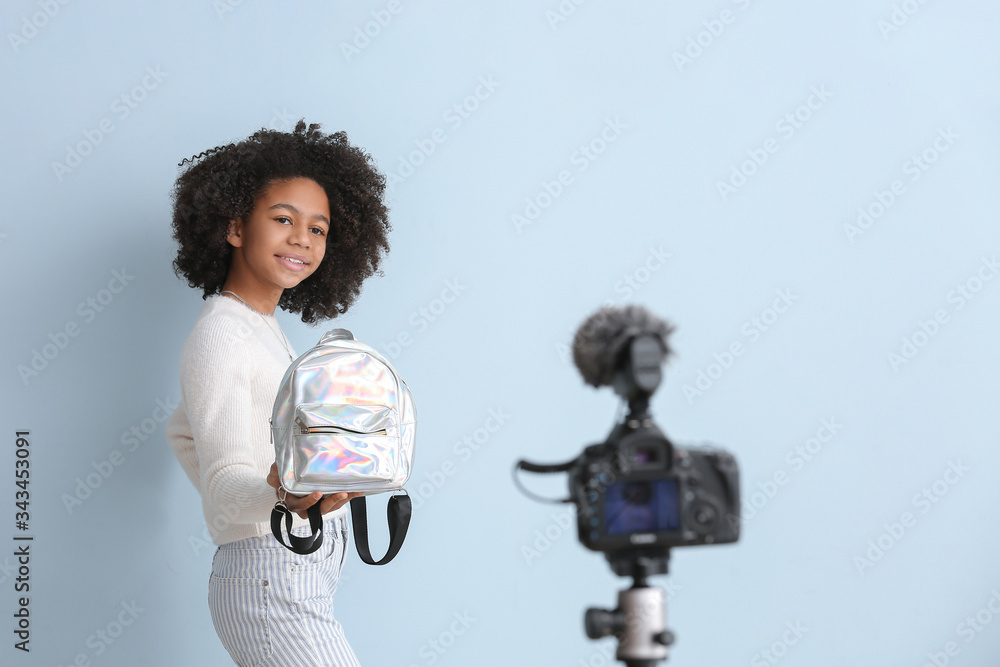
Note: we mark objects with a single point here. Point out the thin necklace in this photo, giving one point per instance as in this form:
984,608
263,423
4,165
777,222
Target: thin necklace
281,338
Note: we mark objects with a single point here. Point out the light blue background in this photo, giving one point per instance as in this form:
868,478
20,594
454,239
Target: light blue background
500,344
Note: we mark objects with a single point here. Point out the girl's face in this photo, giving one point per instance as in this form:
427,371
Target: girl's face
284,240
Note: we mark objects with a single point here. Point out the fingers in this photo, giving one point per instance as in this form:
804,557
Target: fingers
334,502
337,500
299,504
272,476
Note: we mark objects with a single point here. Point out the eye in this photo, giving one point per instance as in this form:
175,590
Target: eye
318,231
280,218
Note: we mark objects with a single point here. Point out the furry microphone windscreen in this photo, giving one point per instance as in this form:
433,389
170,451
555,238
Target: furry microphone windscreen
601,339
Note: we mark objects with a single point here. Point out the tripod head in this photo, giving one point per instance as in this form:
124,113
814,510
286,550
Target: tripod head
639,621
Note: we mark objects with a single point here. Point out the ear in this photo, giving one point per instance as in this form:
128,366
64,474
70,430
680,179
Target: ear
235,233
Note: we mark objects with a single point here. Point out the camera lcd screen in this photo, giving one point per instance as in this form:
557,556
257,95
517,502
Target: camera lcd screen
649,506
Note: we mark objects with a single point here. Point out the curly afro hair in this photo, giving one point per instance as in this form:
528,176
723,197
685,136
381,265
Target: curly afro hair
223,184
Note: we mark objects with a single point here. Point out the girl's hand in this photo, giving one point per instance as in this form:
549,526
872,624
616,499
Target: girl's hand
299,504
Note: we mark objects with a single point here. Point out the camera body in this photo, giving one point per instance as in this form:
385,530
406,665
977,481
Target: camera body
638,491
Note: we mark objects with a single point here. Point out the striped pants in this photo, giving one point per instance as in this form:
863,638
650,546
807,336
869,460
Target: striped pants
272,607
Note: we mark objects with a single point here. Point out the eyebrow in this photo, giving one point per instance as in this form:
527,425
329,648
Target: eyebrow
297,212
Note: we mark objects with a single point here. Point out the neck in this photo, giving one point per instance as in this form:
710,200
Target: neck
260,299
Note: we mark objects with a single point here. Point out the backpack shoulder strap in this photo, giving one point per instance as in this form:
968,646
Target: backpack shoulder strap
398,512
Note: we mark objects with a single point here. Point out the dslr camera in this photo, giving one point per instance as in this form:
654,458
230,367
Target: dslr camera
641,491
636,494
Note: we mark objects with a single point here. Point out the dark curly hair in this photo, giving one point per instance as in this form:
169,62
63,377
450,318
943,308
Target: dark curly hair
223,184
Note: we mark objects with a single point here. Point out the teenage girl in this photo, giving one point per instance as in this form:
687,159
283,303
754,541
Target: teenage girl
291,219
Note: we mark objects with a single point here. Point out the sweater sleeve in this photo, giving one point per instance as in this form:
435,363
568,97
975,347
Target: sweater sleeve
217,389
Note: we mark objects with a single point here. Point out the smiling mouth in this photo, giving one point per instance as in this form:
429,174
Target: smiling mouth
293,264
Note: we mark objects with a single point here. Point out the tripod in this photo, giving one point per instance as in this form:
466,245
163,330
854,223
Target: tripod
639,622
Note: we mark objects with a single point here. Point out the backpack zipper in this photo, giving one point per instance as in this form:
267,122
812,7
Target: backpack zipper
308,430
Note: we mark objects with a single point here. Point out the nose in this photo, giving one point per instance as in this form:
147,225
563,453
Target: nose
300,235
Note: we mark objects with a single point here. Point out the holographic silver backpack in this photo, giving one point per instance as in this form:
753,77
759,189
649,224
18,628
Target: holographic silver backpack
343,420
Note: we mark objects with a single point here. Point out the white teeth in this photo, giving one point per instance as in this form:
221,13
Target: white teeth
297,261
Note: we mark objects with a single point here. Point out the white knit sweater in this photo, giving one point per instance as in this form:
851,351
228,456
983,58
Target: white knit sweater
231,366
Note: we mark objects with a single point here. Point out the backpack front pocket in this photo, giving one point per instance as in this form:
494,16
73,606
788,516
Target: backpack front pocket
343,445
